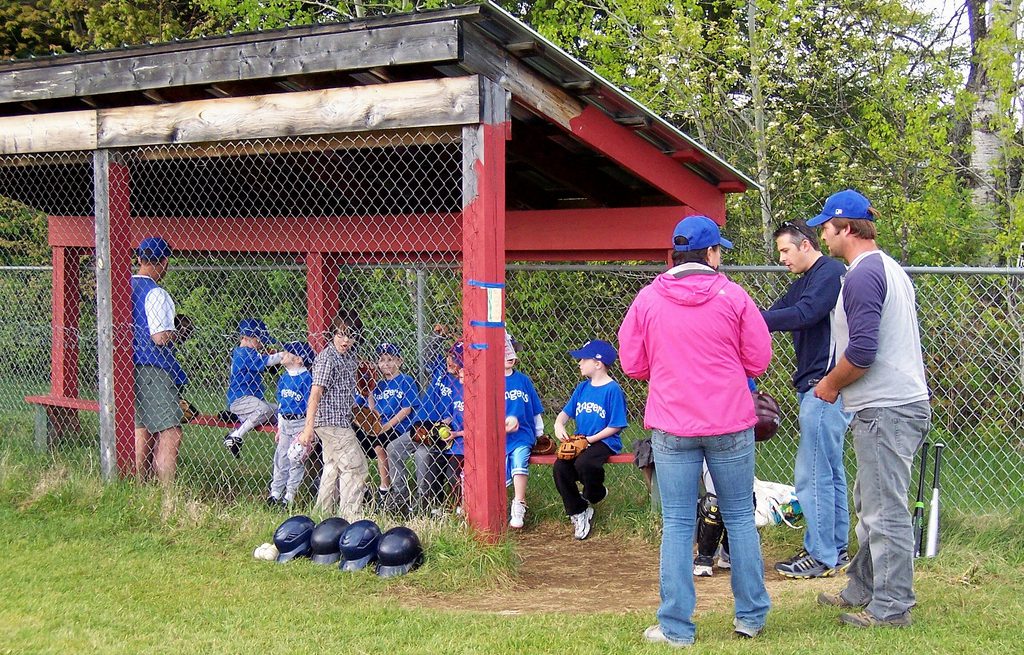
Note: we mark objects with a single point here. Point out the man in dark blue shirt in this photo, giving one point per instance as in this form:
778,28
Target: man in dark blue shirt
820,477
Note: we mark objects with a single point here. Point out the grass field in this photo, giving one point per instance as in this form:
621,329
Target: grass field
92,568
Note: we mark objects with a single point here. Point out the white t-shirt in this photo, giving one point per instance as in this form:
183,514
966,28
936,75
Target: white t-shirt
160,310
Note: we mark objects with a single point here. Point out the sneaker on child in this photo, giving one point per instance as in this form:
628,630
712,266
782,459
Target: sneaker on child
233,445
702,566
518,514
581,523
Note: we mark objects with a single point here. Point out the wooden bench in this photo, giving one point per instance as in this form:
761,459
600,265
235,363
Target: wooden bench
620,458
46,425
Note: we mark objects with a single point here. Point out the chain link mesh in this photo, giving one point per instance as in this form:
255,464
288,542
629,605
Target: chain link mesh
254,226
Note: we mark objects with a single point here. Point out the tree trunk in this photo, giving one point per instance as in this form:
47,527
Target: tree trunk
985,142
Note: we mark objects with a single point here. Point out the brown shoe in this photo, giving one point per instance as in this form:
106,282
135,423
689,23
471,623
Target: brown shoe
865,620
835,600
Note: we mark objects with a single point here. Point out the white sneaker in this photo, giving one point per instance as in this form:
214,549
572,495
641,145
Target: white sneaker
724,561
702,567
518,514
581,523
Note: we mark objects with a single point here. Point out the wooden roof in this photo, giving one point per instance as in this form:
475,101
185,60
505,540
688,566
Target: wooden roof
551,158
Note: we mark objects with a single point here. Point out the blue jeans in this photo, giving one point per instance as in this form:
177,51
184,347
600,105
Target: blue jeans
821,477
730,459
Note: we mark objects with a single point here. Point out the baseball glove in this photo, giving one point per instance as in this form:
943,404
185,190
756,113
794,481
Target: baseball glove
768,416
184,326
367,420
545,446
188,410
366,380
423,433
572,447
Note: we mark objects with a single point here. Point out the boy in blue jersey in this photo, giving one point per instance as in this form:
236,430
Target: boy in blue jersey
395,397
523,424
439,462
598,407
245,387
292,395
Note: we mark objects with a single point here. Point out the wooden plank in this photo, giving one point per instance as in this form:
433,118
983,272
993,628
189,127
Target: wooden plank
403,105
620,458
433,42
70,403
70,130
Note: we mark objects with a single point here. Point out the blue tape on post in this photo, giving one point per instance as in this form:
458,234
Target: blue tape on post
478,346
488,324
486,285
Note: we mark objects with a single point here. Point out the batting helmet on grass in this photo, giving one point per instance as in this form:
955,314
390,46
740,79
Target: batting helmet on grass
292,538
359,545
398,552
324,542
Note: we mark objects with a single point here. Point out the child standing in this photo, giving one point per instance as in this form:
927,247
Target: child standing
395,397
598,407
523,424
245,387
292,395
329,417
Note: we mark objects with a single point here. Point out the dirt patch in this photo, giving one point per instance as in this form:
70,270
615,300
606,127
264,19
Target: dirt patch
605,573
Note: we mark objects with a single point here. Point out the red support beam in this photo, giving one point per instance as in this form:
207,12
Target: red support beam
64,351
122,243
633,153
321,296
483,312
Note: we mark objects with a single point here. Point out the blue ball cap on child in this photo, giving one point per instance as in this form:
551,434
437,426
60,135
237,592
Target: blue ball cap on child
300,349
153,249
387,348
700,232
602,351
845,204
254,327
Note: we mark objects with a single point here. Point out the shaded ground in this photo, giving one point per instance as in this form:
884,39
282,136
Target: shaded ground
605,573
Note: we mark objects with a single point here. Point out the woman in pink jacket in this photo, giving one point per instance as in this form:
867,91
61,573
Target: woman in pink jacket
696,337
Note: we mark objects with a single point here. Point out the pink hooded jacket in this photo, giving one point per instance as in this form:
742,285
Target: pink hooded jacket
696,339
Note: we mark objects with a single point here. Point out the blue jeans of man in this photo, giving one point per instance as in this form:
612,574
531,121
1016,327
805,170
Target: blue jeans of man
881,575
821,477
730,459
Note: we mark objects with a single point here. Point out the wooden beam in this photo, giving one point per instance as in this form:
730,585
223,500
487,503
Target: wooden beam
71,130
578,230
403,105
433,42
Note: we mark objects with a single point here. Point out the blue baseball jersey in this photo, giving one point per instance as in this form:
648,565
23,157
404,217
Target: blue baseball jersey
458,407
247,366
521,401
596,408
436,403
293,391
392,396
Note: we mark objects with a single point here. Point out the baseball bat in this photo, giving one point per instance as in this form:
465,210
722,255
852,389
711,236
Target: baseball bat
919,504
932,548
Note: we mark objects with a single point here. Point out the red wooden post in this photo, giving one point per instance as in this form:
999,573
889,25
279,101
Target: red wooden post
321,296
483,311
121,248
64,349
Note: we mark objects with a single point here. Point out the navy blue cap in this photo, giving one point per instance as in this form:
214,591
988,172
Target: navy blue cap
254,327
302,350
153,249
845,204
700,232
388,348
602,351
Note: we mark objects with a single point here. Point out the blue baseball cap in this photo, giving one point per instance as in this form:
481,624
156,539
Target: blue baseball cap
254,327
153,249
458,353
302,350
700,232
845,204
602,351
388,348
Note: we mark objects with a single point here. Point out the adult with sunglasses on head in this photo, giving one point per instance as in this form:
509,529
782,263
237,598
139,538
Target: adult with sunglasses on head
820,478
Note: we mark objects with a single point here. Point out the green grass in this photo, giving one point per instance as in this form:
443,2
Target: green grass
120,568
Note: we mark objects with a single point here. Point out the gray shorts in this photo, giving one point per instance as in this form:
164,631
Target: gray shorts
156,400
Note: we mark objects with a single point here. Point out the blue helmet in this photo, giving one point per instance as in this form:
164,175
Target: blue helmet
292,538
324,541
398,552
359,545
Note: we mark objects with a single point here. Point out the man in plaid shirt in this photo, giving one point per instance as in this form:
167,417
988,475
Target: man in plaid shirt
329,416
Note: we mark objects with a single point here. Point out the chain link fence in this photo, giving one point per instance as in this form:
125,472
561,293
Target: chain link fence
256,229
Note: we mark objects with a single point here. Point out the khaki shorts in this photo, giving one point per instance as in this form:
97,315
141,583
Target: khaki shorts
156,400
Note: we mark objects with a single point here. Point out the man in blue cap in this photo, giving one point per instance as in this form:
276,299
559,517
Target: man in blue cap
158,375
880,371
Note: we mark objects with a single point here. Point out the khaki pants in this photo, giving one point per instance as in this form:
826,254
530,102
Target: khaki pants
344,474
